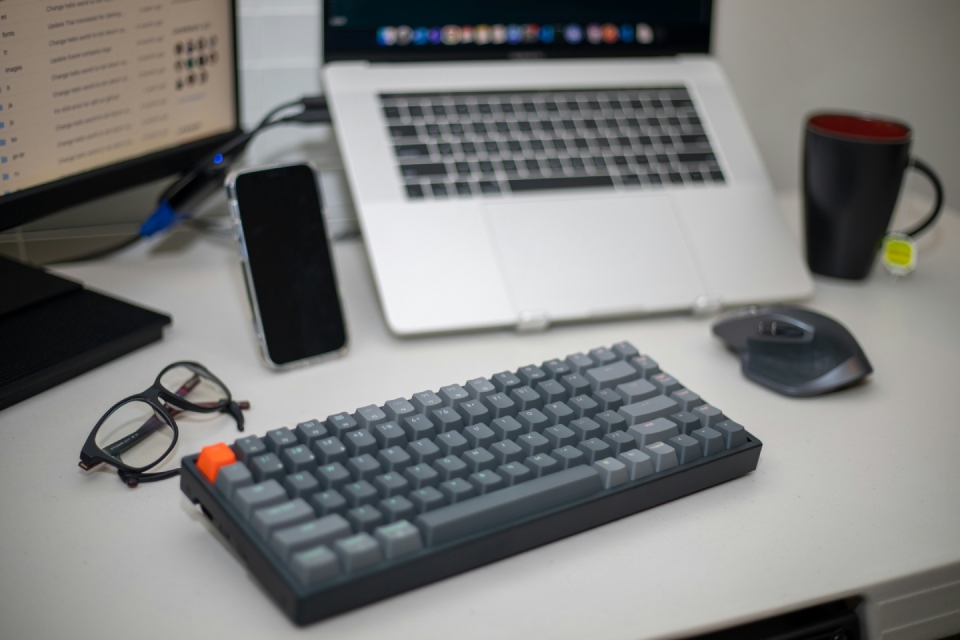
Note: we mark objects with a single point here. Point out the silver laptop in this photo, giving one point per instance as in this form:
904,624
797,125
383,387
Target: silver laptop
540,163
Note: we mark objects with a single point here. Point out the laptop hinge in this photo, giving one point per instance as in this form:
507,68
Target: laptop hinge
535,320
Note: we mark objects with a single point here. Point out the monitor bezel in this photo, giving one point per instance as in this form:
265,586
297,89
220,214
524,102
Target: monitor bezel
512,52
20,207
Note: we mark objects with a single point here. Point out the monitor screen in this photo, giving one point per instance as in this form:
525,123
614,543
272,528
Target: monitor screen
386,30
100,95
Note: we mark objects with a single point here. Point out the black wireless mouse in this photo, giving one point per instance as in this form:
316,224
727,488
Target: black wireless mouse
793,350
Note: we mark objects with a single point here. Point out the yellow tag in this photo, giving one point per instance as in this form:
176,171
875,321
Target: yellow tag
899,254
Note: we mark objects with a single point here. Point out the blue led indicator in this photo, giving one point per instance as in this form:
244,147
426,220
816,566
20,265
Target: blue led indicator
217,159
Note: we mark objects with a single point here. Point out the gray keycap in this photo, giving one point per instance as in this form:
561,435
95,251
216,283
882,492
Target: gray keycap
612,472
340,423
580,362
451,467
423,451
559,436
370,416
478,459
514,473
315,565
396,508
645,365
389,434
647,410
446,419
309,431
526,399
357,552
398,409
733,434
267,466
426,401
300,485
568,456
557,413
636,391
398,539
506,451
686,399
394,459
709,415
426,499
418,426
532,421
556,369
298,459
610,376
456,490
686,421
452,443
232,477
500,405
659,430
330,450
453,395
662,455
479,436
595,449
552,391
710,440
333,476
360,442
500,507
363,467
365,518
480,388
391,484
248,448
637,462
505,382
620,441
485,481
506,428
575,384
608,399
287,514
541,464
359,493
610,421
288,541
584,406
278,439
585,428
328,502
687,448
422,475
625,350
665,384
474,412
533,443
530,375
602,356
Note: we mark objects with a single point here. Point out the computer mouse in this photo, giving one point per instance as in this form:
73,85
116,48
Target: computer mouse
792,350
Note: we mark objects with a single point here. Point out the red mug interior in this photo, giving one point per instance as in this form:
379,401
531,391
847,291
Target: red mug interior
859,128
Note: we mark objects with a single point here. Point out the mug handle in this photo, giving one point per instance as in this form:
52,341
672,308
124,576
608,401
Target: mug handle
925,169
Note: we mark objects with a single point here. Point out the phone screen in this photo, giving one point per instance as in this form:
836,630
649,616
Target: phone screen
292,274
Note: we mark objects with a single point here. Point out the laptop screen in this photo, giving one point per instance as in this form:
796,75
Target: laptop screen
388,30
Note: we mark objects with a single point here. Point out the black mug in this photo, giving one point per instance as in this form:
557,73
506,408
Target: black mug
853,168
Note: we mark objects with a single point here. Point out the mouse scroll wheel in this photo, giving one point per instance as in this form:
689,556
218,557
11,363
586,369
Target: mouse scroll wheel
779,329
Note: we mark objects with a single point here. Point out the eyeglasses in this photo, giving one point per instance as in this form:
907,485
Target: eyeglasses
139,432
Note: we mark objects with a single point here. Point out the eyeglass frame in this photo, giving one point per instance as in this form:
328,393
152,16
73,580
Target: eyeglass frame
93,454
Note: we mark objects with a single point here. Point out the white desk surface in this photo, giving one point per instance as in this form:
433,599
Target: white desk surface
853,490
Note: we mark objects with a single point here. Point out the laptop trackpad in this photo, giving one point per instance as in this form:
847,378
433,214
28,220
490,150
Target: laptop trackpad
583,257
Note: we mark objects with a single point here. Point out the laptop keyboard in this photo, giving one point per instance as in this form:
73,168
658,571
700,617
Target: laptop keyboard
488,143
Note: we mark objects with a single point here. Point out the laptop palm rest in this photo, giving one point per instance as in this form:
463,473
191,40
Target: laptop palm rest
591,257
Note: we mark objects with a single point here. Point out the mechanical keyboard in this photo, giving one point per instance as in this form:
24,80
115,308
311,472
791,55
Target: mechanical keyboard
464,144
331,515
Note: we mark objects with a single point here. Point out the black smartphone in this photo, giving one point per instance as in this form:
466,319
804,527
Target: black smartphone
287,265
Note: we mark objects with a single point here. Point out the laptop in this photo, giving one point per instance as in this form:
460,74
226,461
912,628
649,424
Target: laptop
535,162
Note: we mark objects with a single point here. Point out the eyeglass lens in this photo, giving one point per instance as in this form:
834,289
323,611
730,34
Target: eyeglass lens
193,385
135,435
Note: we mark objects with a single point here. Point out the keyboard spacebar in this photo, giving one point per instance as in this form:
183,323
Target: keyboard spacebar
500,507
539,184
